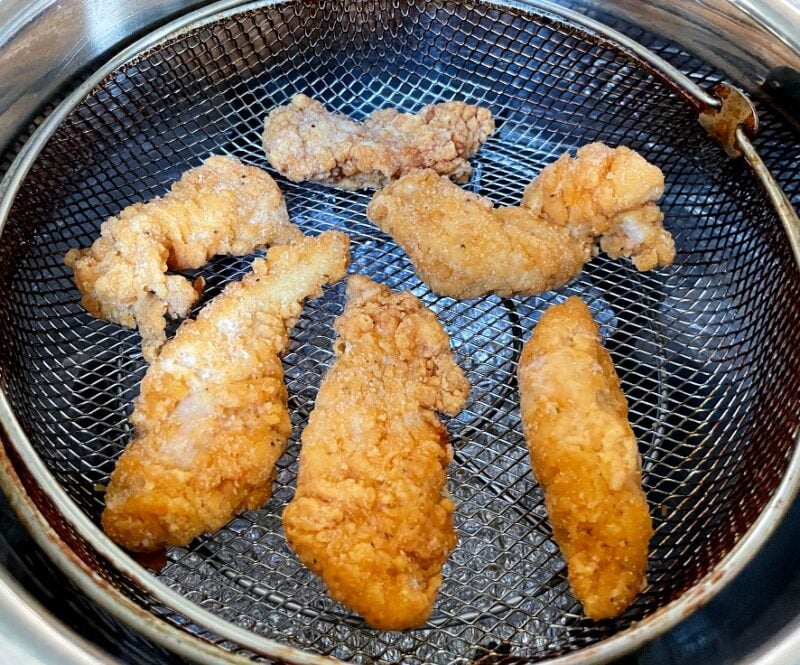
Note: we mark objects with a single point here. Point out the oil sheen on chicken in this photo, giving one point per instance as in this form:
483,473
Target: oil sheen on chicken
464,247
584,455
211,419
371,514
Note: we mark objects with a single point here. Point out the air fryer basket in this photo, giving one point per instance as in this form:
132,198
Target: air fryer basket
708,350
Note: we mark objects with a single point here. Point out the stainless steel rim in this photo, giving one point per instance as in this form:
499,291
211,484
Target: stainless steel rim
786,213
41,636
610,648
110,599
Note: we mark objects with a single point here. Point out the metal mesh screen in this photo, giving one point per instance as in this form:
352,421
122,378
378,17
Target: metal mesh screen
708,350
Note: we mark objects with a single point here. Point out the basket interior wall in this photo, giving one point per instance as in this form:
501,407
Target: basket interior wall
708,350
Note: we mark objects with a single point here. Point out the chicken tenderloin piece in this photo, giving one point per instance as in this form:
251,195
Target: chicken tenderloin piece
584,455
211,419
220,207
606,194
305,141
463,247
371,515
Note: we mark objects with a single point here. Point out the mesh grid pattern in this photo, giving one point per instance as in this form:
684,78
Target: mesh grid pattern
707,350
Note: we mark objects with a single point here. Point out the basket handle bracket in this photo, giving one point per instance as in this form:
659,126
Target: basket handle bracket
735,111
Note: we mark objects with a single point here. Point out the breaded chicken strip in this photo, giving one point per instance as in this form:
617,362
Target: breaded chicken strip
211,419
606,192
585,457
220,207
463,247
371,514
305,141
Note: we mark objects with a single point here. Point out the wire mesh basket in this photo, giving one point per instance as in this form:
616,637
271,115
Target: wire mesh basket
708,350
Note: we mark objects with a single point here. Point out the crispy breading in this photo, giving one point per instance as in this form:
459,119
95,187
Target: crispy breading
600,192
584,455
305,141
371,514
462,247
640,234
211,419
220,207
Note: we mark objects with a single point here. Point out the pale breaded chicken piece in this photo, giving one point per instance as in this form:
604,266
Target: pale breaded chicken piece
606,191
584,455
211,419
371,514
640,234
305,141
220,207
462,247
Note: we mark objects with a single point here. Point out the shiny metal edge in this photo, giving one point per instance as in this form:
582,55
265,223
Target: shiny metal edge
781,649
745,39
731,565
701,97
29,631
126,565
154,628
45,43
786,213
14,22
22,162
614,647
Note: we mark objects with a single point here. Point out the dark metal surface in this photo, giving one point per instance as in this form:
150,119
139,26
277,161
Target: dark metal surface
745,40
29,634
23,559
45,44
696,346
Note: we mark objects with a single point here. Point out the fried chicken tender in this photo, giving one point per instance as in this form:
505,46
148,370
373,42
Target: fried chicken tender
584,455
220,207
305,141
463,247
211,419
371,514
606,192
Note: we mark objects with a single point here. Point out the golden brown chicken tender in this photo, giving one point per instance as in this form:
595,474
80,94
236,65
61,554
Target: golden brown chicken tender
211,419
606,191
220,207
462,247
305,141
371,514
584,454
